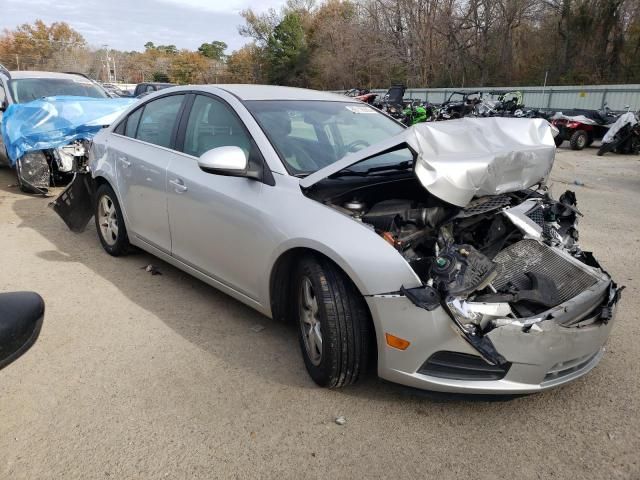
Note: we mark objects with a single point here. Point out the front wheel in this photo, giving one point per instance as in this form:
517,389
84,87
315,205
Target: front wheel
333,324
110,222
578,140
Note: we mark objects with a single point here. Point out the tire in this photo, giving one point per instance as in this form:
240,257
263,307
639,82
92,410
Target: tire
607,147
559,140
330,308
112,231
578,140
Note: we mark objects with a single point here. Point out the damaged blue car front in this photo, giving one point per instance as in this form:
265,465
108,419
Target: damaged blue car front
47,140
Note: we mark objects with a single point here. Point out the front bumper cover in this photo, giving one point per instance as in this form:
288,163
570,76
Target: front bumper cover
551,349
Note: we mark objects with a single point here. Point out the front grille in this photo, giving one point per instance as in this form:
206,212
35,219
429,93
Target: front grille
537,215
462,366
484,205
530,256
563,369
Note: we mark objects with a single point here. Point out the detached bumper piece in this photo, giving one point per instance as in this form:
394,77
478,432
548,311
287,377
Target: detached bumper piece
462,366
75,205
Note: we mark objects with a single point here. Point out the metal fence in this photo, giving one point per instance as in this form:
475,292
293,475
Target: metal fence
556,98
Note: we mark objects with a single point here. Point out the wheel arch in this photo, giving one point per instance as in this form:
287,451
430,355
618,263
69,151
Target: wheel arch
282,276
100,180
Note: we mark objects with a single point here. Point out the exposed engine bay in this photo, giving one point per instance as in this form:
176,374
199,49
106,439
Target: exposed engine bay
38,170
501,259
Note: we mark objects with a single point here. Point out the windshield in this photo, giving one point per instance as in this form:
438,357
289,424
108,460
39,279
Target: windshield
26,89
309,135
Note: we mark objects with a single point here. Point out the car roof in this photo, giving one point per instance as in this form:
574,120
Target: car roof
272,92
38,74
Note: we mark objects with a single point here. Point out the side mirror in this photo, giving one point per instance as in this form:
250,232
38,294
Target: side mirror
21,316
230,161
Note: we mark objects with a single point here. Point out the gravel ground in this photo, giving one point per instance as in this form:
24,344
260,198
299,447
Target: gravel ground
140,376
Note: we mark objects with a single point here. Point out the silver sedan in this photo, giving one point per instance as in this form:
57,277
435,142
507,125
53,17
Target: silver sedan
433,252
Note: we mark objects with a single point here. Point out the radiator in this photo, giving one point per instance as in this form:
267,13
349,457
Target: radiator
530,256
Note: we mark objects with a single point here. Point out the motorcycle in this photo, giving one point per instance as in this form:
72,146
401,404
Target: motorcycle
582,127
417,112
623,136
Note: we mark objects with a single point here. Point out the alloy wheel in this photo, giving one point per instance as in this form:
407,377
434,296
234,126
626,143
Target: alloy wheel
108,220
309,322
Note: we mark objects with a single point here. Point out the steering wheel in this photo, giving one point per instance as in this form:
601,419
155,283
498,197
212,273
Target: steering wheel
353,146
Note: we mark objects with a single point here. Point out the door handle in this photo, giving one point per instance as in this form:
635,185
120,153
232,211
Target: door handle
125,162
178,185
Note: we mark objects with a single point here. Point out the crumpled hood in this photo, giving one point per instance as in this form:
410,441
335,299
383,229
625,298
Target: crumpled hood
458,160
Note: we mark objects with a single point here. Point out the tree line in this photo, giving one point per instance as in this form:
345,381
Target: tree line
340,44
443,43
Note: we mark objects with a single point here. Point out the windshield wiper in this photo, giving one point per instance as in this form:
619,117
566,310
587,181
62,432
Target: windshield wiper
383,169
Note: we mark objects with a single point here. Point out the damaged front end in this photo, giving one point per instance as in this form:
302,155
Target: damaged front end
504,271
39,170
508,260
48,139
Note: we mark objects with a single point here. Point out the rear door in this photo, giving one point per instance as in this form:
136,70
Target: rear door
142,149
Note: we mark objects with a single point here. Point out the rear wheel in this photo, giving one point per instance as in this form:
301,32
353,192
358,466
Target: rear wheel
579,140
559,140
110,223
333,323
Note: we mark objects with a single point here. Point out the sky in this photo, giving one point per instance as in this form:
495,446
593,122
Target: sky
129,24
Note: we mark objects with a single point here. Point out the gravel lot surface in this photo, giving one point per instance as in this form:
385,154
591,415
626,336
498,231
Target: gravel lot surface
141,376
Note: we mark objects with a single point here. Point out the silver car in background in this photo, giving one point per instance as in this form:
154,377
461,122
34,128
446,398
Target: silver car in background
434,252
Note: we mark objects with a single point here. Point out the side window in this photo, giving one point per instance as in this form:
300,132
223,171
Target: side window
213,124
158,119
132,123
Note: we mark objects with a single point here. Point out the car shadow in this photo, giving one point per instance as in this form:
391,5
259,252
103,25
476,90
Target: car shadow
228,330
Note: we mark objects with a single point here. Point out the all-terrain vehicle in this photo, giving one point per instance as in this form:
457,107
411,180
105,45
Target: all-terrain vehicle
582,127
458,105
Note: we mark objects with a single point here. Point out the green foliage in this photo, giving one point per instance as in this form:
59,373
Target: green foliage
170,49
287,52
214,50
160,77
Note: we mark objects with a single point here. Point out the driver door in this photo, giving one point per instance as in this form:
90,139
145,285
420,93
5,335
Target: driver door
217,222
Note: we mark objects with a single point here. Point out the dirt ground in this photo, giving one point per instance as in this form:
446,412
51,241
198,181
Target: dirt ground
140,376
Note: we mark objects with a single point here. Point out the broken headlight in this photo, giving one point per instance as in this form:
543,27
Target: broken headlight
68,157
473,315
33,169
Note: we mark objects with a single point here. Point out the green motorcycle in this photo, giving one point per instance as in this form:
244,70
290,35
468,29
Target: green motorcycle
419,113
